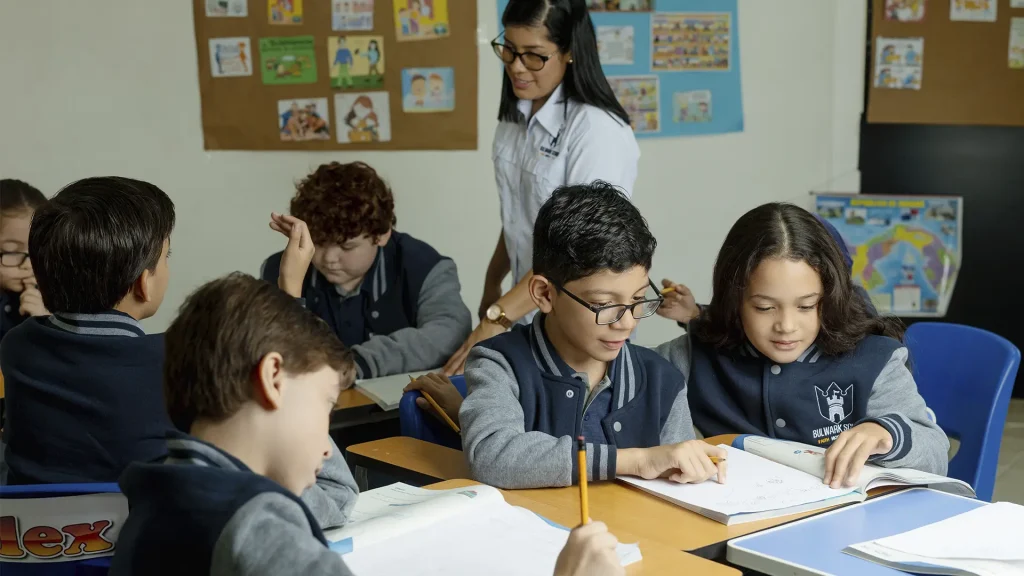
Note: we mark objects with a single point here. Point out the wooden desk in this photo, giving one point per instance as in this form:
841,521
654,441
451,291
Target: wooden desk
657,558
622,507
355,409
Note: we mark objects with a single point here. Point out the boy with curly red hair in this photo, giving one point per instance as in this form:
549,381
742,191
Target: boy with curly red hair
389,297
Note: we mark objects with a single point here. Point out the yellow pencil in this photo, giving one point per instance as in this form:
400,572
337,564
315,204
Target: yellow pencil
584,502
443,414
716,459
668,290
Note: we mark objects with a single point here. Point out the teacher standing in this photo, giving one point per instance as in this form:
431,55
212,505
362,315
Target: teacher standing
559,124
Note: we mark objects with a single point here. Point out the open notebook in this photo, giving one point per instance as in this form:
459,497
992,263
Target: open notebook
770,478
387,390
404,530
983,542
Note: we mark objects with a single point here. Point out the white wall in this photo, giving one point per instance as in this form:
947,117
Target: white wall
110,88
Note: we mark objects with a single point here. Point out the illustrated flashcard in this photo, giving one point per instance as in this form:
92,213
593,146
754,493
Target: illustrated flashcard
639,96
973,10
428,90
420,19
284,11
356,61
230,57
303,119
904,10
899,63
362,117
693,106
619,5
227,8
288,60
693,41
615,44
352,15
1017,43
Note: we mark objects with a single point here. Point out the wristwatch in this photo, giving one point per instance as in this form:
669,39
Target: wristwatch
495,315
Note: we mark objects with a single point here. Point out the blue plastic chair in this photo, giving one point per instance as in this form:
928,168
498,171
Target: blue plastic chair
86,567
966,375
415,423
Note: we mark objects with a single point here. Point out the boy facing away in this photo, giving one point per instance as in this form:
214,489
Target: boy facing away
392,299
573,373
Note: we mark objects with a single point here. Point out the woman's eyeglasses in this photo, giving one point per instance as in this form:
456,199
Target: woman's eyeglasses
605,315
531,60
13,259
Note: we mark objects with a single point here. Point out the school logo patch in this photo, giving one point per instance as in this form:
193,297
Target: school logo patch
834,403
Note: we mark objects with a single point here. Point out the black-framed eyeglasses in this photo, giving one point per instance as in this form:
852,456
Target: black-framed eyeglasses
531,60
12,259
605,315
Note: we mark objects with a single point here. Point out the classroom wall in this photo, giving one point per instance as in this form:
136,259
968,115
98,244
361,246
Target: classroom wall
101,88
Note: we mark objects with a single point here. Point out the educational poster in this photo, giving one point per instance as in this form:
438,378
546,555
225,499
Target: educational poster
693,106
303,119
904,10
230,57
639,96
428,90
420,19
362,117
349,15
695,41
898,63
1017,43
906,249
615,45
973,10
287,12
61,529
356,61
227,8
288,60
619,5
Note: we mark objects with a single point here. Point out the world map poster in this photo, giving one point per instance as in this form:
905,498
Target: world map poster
906,250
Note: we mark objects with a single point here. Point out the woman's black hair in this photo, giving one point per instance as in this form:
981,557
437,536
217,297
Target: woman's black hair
570,28
780,230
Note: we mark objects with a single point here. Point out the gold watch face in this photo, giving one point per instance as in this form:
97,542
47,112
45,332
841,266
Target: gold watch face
493,313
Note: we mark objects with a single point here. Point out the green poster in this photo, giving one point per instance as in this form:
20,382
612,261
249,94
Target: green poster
288,60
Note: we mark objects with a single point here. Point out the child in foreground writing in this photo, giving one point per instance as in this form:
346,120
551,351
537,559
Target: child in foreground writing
534,389
787,349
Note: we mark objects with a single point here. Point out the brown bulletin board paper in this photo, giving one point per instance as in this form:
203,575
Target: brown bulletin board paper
240,113
966,77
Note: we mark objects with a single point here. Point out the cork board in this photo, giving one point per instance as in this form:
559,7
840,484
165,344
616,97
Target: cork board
965,74
242,112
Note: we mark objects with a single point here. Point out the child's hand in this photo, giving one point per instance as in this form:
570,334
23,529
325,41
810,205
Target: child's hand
846,457
590,551
297,254
679,305
442,391
687,462
32,300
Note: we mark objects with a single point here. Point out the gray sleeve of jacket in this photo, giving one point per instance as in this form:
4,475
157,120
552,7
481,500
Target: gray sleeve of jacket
442,324
895,404
270,535
679,425
498,448
334,495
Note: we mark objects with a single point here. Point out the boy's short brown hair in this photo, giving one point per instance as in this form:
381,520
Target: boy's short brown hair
339,202
223,331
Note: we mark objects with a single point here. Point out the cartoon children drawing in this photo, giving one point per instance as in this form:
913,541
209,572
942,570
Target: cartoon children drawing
417,96
241,56
363,121
372,56
343,60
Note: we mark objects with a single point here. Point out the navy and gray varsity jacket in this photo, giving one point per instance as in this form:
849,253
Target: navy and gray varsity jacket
526,407
814,399
408,315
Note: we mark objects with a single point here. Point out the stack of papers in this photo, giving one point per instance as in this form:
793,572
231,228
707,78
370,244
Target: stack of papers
387,391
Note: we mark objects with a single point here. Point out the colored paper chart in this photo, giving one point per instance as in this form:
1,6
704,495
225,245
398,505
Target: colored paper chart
691,47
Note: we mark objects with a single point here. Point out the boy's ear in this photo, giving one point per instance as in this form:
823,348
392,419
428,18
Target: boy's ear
268,381
383,239
543,293
141,290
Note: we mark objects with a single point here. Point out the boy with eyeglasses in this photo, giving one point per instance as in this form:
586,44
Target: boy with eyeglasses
572,372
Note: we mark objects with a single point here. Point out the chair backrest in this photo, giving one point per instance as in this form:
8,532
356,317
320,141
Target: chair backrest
966,375
415,423
83,567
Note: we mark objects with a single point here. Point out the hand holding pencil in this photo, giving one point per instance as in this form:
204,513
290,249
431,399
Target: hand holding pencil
679,303
440,398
